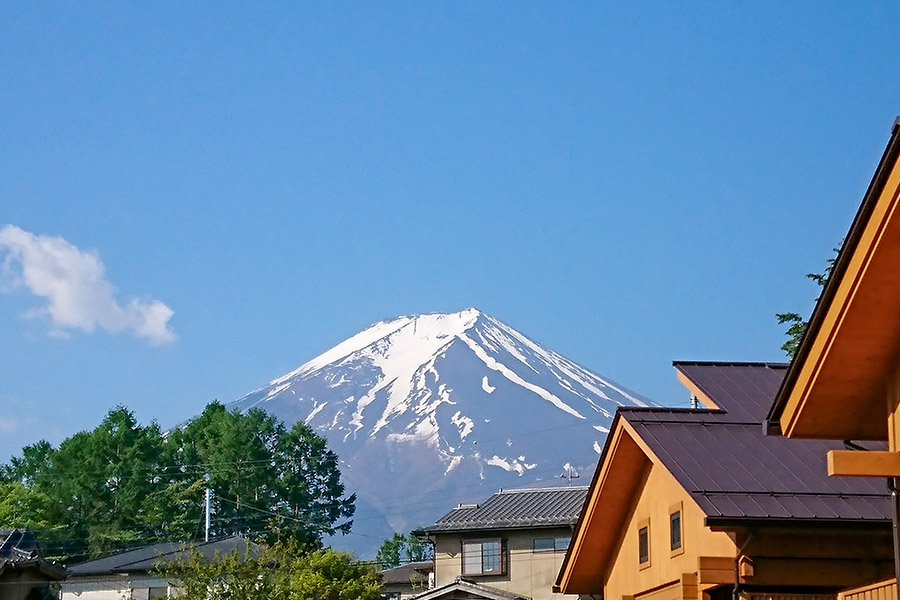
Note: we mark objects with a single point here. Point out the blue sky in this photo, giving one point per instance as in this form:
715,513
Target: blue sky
627,185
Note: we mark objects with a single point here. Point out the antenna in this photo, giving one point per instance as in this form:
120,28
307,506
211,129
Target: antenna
569,473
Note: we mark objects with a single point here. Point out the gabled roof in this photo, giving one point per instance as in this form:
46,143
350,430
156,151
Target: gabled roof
463,588
516,509
736,473
835,387
146,558
722,458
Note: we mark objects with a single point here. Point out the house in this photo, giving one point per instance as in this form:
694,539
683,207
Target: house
844,381
24,573
508,547
407,580
132,574
700,503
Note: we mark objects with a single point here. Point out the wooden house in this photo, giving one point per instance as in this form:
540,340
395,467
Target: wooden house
700,503
844,382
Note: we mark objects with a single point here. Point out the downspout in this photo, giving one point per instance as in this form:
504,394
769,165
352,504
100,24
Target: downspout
736,593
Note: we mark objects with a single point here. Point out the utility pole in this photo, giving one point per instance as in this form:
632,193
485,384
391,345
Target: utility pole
208,494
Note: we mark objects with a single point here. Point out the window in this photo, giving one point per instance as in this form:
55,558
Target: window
482,557
644,543
551,544
676,530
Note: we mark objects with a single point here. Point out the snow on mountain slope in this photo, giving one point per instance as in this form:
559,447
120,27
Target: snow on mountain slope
429,410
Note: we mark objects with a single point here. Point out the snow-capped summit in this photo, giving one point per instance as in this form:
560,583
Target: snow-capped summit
427,406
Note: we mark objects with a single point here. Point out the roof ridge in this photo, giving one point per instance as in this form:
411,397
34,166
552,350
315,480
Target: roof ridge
731,363
541,489
777,493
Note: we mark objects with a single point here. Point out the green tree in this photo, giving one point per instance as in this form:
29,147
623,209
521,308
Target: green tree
284,572
402,548
797,325
123,484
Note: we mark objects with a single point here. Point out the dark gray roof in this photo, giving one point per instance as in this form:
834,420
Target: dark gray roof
745,390
146,558
404,573
19,549
514,509
734,471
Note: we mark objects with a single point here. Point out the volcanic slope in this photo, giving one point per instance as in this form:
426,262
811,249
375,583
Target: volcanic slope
430,410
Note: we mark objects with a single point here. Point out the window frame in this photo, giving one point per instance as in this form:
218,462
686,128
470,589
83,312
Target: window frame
678,509
556,545
501,549
643,525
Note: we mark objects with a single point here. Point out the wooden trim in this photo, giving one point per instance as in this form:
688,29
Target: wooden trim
859,463
502,549
880,589
715,569
695,390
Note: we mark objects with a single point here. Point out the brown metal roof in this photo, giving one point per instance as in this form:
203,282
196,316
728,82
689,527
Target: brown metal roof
513,509
735,472
744,389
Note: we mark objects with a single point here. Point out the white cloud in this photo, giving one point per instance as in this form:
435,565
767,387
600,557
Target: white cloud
75,286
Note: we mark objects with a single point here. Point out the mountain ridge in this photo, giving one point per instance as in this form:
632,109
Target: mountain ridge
432,405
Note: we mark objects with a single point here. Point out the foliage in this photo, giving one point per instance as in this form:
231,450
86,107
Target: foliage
284,572
123,484
798,325
401,549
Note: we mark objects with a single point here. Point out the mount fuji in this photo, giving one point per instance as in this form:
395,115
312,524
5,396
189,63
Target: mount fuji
431,410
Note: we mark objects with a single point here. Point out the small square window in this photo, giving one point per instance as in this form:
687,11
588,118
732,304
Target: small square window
543,545
644,545
675,530
554,544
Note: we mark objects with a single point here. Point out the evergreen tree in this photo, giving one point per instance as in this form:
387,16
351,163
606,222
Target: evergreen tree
797,324
402,548
123,484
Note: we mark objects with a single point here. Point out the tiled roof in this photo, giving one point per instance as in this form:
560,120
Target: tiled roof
734,471
146,558
513,509
406,572
19,549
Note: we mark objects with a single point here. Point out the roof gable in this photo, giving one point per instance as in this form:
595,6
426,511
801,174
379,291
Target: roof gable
462,588
722,460
835,387
617,480
735,472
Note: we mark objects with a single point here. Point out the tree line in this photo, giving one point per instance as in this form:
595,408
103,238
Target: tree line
124,484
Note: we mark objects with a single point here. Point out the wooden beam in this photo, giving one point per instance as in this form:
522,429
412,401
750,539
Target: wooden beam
715,569
859,463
